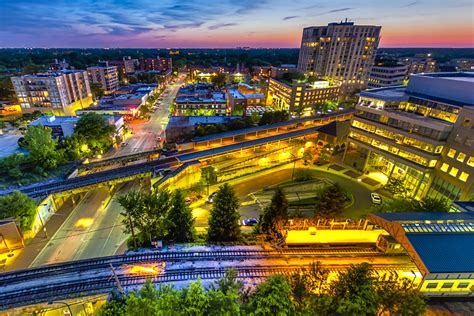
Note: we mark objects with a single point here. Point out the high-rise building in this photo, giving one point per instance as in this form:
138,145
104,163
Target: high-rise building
386,74
106,76
420,134
421,63
61,92
339,52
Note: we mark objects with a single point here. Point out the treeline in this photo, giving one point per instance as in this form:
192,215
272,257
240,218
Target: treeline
307,291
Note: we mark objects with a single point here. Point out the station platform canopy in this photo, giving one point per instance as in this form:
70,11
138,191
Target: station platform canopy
437,242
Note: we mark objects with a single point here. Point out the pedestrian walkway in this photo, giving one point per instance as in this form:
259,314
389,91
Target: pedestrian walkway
22,258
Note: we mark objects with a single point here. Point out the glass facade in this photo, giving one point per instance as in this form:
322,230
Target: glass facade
444,189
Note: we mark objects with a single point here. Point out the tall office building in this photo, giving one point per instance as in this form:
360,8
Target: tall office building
61,92
106,76
386,74
420,134
341,52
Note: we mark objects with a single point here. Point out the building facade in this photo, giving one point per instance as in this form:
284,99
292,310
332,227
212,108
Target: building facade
158,64
341,52
386,75
61,92
106,76
298,96
240,101
200,99
420,134
421,63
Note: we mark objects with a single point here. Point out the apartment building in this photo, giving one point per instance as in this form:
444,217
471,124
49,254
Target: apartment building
61,92
126,65
385,74
158,64
106,76
279,71
421,134
341,52
298,96
200,99
421,63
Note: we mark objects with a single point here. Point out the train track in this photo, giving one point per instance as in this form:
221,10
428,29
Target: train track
105,262
103,284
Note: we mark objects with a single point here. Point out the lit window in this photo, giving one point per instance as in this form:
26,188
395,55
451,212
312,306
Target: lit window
454,171
447,285
461,157
451,153
432,285
463,177
470,162
444,167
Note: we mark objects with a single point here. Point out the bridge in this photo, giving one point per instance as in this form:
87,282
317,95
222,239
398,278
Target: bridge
285,131
95,276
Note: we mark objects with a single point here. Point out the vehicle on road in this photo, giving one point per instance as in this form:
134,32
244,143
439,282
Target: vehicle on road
210,198
249,221
375,197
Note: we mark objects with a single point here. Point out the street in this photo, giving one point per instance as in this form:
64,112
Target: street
145,132
90,230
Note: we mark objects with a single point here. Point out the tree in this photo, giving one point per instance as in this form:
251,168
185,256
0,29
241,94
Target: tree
96,131
270,117
272,297
208,175
331,201
196,300
41,147
146,212
97,90
399,297
219,80
180,219
223,217
307,155
395,206
428,204
396,187
275,213
224,296
20,206
354,292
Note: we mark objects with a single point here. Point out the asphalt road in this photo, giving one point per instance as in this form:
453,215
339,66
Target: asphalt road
90,230
145,133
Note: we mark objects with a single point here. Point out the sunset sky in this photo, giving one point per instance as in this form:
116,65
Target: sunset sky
226,23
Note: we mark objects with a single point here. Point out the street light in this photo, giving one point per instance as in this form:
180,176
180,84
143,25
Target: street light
64,303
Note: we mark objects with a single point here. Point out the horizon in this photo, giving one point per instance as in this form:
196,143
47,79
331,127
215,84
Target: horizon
229,24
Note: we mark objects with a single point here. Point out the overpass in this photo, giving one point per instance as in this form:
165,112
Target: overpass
288,130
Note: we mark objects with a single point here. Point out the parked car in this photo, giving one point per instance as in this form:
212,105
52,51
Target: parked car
249,221
210,198
375,197
124,144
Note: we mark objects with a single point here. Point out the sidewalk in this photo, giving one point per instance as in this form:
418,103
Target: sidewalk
24,257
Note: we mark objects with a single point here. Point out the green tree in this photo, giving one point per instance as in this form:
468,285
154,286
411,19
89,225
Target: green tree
274,214
396,187
224,296
208,174
354,292
41,147
170,301
428,204
137,306
218,80
19,206
196,299
331,201
146,212
97,90
96,131
399,297
223,217
180,219
12,165
272,297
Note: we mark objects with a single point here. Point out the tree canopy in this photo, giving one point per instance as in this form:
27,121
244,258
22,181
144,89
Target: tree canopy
95,130
19,206
331,201
223,217
180,220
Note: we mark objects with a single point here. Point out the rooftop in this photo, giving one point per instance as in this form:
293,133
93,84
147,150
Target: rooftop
425,216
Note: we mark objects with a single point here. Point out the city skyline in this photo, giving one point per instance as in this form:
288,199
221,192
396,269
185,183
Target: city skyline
190,24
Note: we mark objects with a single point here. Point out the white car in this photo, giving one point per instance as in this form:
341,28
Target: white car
376,199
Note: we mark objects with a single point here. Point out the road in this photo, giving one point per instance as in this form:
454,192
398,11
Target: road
261,180
90,230
145,133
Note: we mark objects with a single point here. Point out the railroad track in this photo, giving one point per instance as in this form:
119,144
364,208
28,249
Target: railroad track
97,263
103,284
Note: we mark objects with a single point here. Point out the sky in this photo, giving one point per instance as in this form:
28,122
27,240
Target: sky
227,23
